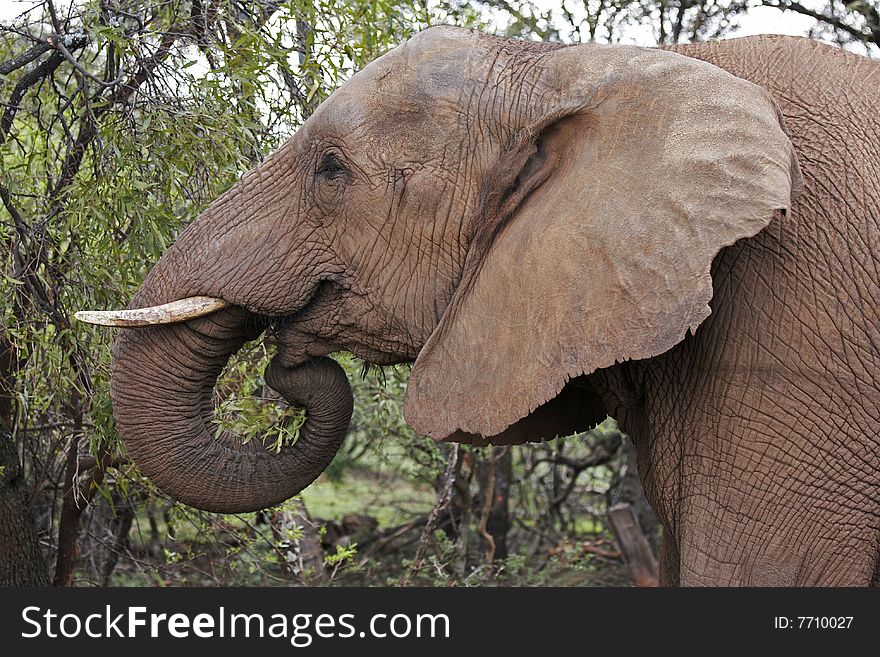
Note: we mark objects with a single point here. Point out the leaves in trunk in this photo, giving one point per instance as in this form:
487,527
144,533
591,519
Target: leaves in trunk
248,408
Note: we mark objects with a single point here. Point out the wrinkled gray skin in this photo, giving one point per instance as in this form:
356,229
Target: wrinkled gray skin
379,228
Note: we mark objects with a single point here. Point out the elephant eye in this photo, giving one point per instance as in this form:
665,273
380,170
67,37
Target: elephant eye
330,166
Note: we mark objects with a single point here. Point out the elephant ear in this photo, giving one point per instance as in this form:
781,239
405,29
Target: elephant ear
639,166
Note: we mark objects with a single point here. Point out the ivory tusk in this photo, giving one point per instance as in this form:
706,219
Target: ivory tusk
168,313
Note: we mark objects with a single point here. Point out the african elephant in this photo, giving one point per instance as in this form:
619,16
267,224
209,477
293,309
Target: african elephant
686,239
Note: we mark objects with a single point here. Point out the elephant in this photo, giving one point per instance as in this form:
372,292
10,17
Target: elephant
684,238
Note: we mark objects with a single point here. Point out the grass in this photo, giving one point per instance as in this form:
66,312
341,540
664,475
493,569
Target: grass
390,499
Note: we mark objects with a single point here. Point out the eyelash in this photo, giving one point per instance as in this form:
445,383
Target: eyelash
330,166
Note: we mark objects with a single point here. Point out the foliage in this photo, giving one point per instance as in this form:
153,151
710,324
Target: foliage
244,403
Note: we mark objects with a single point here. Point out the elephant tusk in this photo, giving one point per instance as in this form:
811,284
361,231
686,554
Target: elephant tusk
168,313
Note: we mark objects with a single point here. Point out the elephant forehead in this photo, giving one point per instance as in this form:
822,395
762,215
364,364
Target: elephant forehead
411,101
422,72
388,120
422,69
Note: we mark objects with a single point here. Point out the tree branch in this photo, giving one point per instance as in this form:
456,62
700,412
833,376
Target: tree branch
44,70
443,498
24,58
871,36
58,44
88,125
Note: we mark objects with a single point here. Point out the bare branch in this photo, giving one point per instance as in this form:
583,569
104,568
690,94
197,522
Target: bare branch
443,499
870,35
44,70
58,44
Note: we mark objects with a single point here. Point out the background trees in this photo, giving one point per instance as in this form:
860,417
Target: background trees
120,120
852,24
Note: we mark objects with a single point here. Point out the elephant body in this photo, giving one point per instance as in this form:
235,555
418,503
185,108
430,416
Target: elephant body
687,240
765,425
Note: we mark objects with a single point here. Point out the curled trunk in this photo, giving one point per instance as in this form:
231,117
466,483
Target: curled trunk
162,383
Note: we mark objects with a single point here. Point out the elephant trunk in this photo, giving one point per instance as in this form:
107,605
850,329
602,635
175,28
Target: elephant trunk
162,386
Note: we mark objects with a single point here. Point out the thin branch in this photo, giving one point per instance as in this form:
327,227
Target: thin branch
871,36
54,16
489,500
443,499
44,70
58,44
89,462
89,127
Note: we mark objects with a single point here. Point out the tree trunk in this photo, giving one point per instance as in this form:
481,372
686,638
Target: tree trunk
496,474
308,564
637,554
21,560
627,488
120,527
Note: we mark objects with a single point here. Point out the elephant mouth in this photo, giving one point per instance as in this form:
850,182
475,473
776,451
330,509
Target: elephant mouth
299,334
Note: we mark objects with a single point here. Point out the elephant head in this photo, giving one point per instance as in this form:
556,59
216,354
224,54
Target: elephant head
509,215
